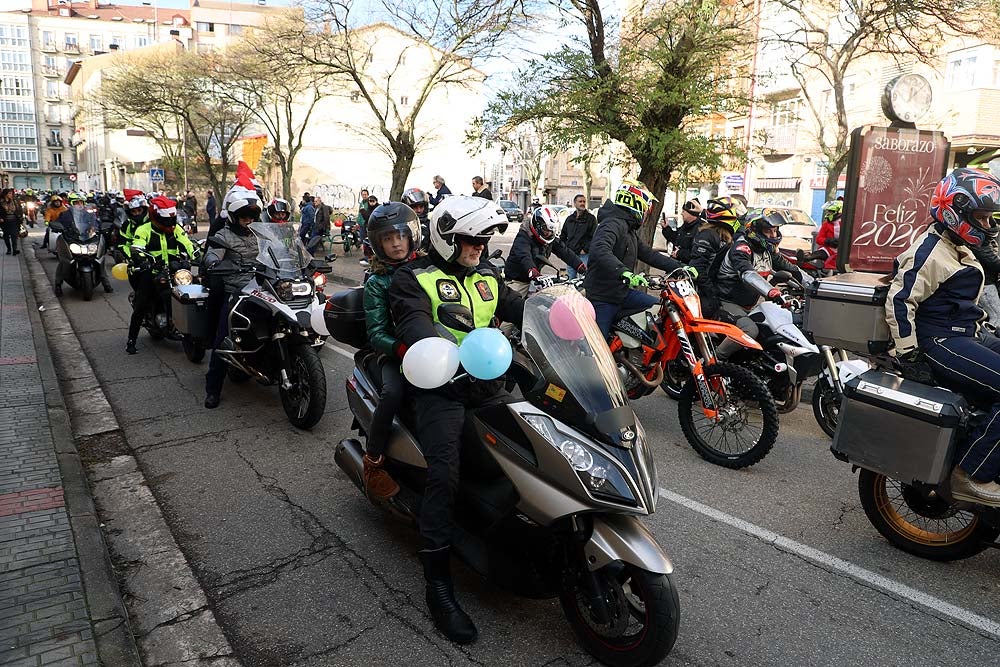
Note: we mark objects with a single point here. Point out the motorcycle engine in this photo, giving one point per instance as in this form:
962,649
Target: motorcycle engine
633,386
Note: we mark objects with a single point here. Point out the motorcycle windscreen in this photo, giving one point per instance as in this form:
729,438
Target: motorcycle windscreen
560,335
279,247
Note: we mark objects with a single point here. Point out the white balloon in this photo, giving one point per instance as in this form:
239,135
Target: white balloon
430,362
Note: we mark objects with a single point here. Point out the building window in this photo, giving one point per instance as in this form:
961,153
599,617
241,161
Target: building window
235,29
141,41
785,113
52,90
15,61
356,96
55,135
17,110
961,72
821,169
57,160
71,39
119,40
48,38
96,43
15,86
13,35
19,158
404,100
17,135
201,26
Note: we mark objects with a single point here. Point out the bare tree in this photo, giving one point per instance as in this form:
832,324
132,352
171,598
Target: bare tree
525,143
826,40
180,95
443,38
281,91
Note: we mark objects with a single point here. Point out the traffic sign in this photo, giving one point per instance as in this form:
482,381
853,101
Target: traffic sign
156,175
72,177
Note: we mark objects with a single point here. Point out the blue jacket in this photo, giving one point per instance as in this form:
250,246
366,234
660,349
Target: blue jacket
936,284
308,218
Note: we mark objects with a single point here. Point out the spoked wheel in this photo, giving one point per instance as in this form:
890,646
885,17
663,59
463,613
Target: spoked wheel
674,377
826,406
642,620
745,425
920,522
305,401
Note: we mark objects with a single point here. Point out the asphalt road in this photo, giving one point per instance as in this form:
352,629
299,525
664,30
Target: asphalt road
301,569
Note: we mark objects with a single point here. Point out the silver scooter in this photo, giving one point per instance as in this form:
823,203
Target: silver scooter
552,485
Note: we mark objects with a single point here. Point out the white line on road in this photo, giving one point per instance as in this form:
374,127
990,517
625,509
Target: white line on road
339,350
832,563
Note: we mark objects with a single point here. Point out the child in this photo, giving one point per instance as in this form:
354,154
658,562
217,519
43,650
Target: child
394,235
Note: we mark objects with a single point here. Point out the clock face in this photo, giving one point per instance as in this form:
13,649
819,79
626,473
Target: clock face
908,97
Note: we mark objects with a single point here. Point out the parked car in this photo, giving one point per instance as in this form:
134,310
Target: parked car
798,233
513,211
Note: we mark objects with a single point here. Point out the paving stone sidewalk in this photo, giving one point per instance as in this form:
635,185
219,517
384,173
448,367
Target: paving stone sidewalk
43,612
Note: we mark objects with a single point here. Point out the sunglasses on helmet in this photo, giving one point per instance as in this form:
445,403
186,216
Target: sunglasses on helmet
472,240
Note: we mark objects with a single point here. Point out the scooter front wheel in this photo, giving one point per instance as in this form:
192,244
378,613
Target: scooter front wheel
642,613
922,523
826,405
744,425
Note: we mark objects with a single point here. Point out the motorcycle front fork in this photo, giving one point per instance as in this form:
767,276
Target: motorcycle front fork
831,367
696,367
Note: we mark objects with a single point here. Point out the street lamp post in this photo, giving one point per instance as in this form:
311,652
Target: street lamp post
156,19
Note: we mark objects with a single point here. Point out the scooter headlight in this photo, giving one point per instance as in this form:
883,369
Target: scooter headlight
83,249
183,277
600,476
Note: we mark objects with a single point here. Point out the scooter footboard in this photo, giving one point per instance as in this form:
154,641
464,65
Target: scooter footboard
625,538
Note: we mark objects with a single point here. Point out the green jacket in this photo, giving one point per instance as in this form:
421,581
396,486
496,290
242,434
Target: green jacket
381,332
127,233
162,246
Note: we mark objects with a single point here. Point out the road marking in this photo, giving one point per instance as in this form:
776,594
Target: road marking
968,618
339,350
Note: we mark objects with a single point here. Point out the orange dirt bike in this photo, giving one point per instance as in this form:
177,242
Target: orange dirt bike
726,412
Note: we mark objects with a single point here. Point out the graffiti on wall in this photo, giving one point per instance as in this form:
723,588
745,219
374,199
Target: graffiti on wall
786,199
344,197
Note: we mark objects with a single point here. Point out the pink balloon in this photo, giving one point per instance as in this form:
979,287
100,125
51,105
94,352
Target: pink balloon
565,315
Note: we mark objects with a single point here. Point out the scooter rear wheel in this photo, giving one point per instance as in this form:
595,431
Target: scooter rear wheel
643,618
921,524
746,426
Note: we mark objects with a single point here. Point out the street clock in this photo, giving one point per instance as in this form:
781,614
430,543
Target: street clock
906,98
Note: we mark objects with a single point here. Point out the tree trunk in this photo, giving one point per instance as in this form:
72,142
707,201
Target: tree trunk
656,181
588,180
405,152
834,171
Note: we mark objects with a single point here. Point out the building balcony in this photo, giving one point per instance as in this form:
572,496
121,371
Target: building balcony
55,143
52,72
58,168
50,47
53,121
781,140
71,48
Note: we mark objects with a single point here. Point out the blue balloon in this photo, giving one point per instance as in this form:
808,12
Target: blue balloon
485,354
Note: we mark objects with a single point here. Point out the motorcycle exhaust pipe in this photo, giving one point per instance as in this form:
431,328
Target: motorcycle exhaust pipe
348,456
652,384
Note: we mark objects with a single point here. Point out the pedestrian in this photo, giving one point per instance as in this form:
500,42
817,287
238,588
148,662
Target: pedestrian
578,231
307,225
480,188
321,222
442,191
11,217
306,198
211,210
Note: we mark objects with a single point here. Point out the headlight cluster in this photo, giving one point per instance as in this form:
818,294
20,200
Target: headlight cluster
599,475
83,249
183,277
288,290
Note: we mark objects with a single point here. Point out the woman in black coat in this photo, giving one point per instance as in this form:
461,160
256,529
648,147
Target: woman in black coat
11,217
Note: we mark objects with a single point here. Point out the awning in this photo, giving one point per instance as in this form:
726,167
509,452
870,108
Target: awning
777,184
984,158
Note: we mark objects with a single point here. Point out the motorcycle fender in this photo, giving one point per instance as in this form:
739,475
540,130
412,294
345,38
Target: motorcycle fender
728,330
85,267
624,538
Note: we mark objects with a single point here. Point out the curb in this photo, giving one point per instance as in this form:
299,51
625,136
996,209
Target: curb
112,634
190,632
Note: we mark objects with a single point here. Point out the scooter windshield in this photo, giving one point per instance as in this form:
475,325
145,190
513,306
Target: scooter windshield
279,247
561,337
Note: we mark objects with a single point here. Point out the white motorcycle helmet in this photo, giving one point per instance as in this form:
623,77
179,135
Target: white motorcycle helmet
464,216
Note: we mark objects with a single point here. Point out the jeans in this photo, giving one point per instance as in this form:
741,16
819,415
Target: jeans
390,401
634,302
972,366
571,271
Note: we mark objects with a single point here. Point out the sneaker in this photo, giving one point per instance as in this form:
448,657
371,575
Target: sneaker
965,488
363,262
108,289
379,484
130,346
212,401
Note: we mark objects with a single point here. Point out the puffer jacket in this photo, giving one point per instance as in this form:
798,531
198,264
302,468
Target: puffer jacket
244,245
378,319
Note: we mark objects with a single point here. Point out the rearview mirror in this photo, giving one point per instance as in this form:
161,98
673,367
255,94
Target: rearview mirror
456,316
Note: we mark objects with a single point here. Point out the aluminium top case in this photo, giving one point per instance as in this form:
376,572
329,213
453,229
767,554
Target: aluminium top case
847,311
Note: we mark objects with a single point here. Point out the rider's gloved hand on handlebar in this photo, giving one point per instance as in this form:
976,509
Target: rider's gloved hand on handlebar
581,269
693,271
634,280
539,280
776,296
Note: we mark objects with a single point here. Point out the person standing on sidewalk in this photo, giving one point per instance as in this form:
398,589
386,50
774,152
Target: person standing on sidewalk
578,231
442,191
211,210
11,217
480,188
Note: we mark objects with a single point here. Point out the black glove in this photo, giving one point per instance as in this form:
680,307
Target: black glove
831,243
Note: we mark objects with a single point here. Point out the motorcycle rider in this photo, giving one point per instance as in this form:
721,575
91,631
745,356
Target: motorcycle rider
394,232
610,283
279,211
827,239
753,252
533,245
417,200
578,231
683,236
243,207
933,313
714,235
421,292
163,238
78,224
53,210
136,213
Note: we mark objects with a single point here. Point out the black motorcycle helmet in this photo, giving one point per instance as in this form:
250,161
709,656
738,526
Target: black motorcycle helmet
416,199
393,218
758,221
279,211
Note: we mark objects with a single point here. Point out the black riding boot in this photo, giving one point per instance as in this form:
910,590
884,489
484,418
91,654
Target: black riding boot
449,618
